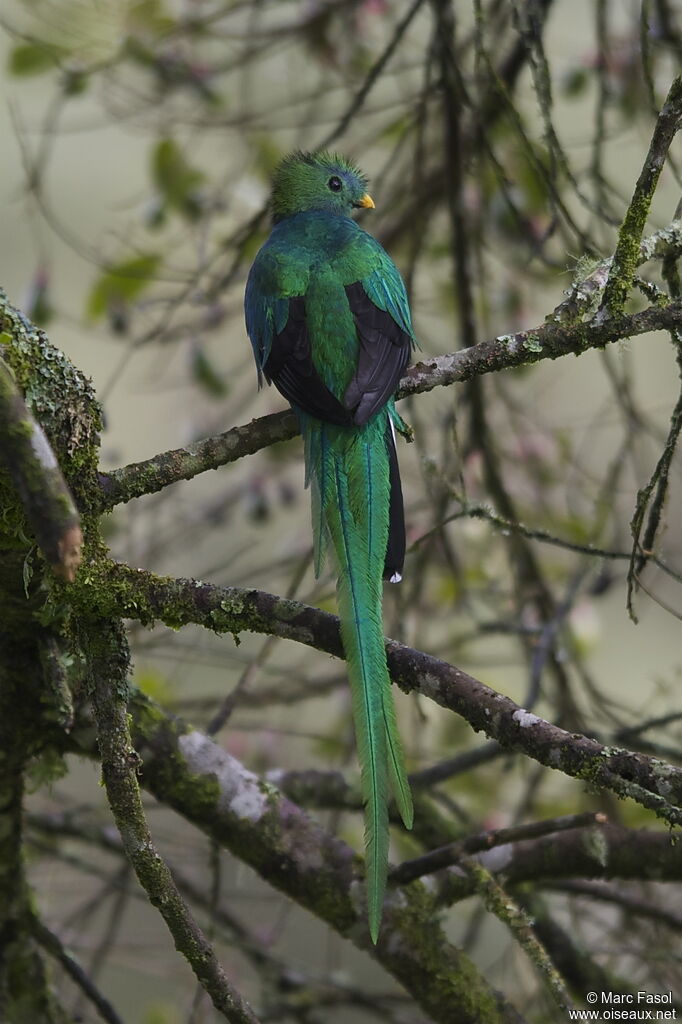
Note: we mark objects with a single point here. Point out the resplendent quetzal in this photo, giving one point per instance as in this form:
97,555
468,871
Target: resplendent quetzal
328,318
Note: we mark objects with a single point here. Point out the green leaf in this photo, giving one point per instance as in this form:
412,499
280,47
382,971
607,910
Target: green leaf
576,81
150,16
267,154
31,59
206,375
156,686
121,284
176,179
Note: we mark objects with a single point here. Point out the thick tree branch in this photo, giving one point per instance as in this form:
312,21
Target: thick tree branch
187,771
134,593
550,340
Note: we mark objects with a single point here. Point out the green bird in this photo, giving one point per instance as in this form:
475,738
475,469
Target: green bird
329,322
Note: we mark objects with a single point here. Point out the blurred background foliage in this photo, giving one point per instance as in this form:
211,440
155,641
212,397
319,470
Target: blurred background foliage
138,142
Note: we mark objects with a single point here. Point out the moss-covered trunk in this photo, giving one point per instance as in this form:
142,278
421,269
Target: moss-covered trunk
35,700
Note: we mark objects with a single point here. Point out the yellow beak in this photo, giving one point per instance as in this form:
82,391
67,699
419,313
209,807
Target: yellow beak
366,202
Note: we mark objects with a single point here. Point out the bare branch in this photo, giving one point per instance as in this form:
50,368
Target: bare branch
445,856
53,945
603,851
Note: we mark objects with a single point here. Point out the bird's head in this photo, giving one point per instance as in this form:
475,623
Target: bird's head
318,181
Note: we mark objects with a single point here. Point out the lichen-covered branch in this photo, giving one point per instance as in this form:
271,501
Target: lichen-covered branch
590,278
629,237
108,670
58,396
154,474
33,468
114,589
264,829
550,340
520,925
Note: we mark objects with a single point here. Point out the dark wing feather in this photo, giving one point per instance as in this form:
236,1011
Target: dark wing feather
383,354
291,369
395,544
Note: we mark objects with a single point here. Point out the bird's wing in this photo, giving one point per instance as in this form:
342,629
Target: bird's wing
383,353
291,369
379,305
265,313
277,326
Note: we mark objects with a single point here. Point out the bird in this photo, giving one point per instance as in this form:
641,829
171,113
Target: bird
328,318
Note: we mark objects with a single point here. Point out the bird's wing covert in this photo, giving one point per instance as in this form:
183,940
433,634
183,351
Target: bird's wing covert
382,321
291,369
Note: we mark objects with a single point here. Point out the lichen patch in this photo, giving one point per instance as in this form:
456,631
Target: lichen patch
241,792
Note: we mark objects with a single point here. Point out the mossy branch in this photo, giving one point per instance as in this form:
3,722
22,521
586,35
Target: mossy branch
550,340
114,589
629,237
184,769
33,468
508,911
108,670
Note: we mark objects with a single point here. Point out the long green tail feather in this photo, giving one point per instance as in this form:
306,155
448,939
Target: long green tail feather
396,760
351,502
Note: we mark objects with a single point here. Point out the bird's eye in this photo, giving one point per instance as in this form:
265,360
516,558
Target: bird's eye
335,184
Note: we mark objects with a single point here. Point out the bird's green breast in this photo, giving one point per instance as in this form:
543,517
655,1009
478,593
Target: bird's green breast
316,255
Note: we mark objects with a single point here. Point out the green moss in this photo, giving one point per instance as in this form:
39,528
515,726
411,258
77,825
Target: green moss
532,343
458,983
151,728
286,610
59,395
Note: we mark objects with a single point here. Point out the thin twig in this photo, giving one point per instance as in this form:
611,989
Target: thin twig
632,228
520,925
53,945
446,856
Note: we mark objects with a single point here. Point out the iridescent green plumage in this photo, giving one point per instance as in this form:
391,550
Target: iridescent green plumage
328,319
